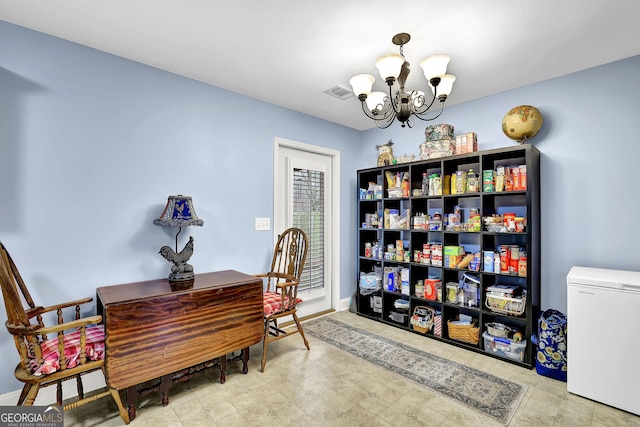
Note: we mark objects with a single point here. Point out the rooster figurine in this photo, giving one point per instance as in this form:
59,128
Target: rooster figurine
180,270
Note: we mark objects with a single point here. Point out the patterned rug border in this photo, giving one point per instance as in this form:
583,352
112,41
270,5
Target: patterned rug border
510,390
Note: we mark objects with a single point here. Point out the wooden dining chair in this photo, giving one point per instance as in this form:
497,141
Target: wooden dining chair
281,294
52,354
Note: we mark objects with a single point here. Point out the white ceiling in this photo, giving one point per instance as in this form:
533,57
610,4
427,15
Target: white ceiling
288,52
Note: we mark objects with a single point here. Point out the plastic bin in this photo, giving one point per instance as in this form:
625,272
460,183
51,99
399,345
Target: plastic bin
376,303
398,317
504,347
394,192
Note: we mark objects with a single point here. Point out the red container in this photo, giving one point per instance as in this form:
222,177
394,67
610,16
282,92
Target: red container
509,221
432,289
426,254
505,258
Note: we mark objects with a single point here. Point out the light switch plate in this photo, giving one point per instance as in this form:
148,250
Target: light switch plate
263,224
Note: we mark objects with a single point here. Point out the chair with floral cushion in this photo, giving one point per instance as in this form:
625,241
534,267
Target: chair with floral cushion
281,294
52,354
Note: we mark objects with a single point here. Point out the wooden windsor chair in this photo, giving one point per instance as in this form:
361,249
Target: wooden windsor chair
52,354
281,294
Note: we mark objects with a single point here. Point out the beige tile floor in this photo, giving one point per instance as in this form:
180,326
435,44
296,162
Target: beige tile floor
326,387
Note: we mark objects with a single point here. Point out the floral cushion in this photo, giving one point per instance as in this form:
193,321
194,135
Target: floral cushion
94,350
273,303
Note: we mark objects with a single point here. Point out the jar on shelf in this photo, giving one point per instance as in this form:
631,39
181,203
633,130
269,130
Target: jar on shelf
420,289
472,182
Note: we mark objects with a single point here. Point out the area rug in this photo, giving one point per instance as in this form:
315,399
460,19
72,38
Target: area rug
488,394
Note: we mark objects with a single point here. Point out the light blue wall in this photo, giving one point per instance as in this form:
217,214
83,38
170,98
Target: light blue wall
92,145
590,157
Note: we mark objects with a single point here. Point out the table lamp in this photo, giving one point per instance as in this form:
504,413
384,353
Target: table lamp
179,212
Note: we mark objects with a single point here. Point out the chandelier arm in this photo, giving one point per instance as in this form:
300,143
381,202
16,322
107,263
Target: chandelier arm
387,117
367,112
388,113
426,119
393,105
409,122
423,109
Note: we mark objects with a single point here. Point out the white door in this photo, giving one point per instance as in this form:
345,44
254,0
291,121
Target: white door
304,198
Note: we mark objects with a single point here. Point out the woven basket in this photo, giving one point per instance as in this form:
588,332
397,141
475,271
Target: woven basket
422,319
466,333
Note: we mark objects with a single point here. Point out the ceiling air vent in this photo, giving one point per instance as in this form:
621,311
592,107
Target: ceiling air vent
339,92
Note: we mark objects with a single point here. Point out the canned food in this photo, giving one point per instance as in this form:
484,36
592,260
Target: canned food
420,289
436,254
426,253
505,255
368,251
514,256
522,267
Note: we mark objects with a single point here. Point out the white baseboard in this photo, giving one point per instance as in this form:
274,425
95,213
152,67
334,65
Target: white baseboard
47,395
344,304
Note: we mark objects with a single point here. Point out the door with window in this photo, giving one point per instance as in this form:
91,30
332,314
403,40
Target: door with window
304,198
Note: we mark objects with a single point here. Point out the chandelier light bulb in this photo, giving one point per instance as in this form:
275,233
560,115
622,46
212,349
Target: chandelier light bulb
435,66
446,84
389,66
375,101
362,84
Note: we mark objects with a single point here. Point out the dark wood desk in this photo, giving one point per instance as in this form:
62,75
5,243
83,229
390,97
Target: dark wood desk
153,331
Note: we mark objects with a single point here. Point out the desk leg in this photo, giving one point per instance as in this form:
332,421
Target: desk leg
245,360
165,385
222,361
132,401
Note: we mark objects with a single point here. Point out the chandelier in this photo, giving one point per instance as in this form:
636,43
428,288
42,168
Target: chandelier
403,105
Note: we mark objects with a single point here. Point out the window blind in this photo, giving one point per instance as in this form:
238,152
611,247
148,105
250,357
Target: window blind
308,214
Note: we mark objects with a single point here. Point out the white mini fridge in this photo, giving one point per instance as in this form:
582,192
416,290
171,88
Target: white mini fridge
603,336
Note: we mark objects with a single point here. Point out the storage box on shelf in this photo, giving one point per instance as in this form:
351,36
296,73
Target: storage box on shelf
398,317
466,331
456,231
505,347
